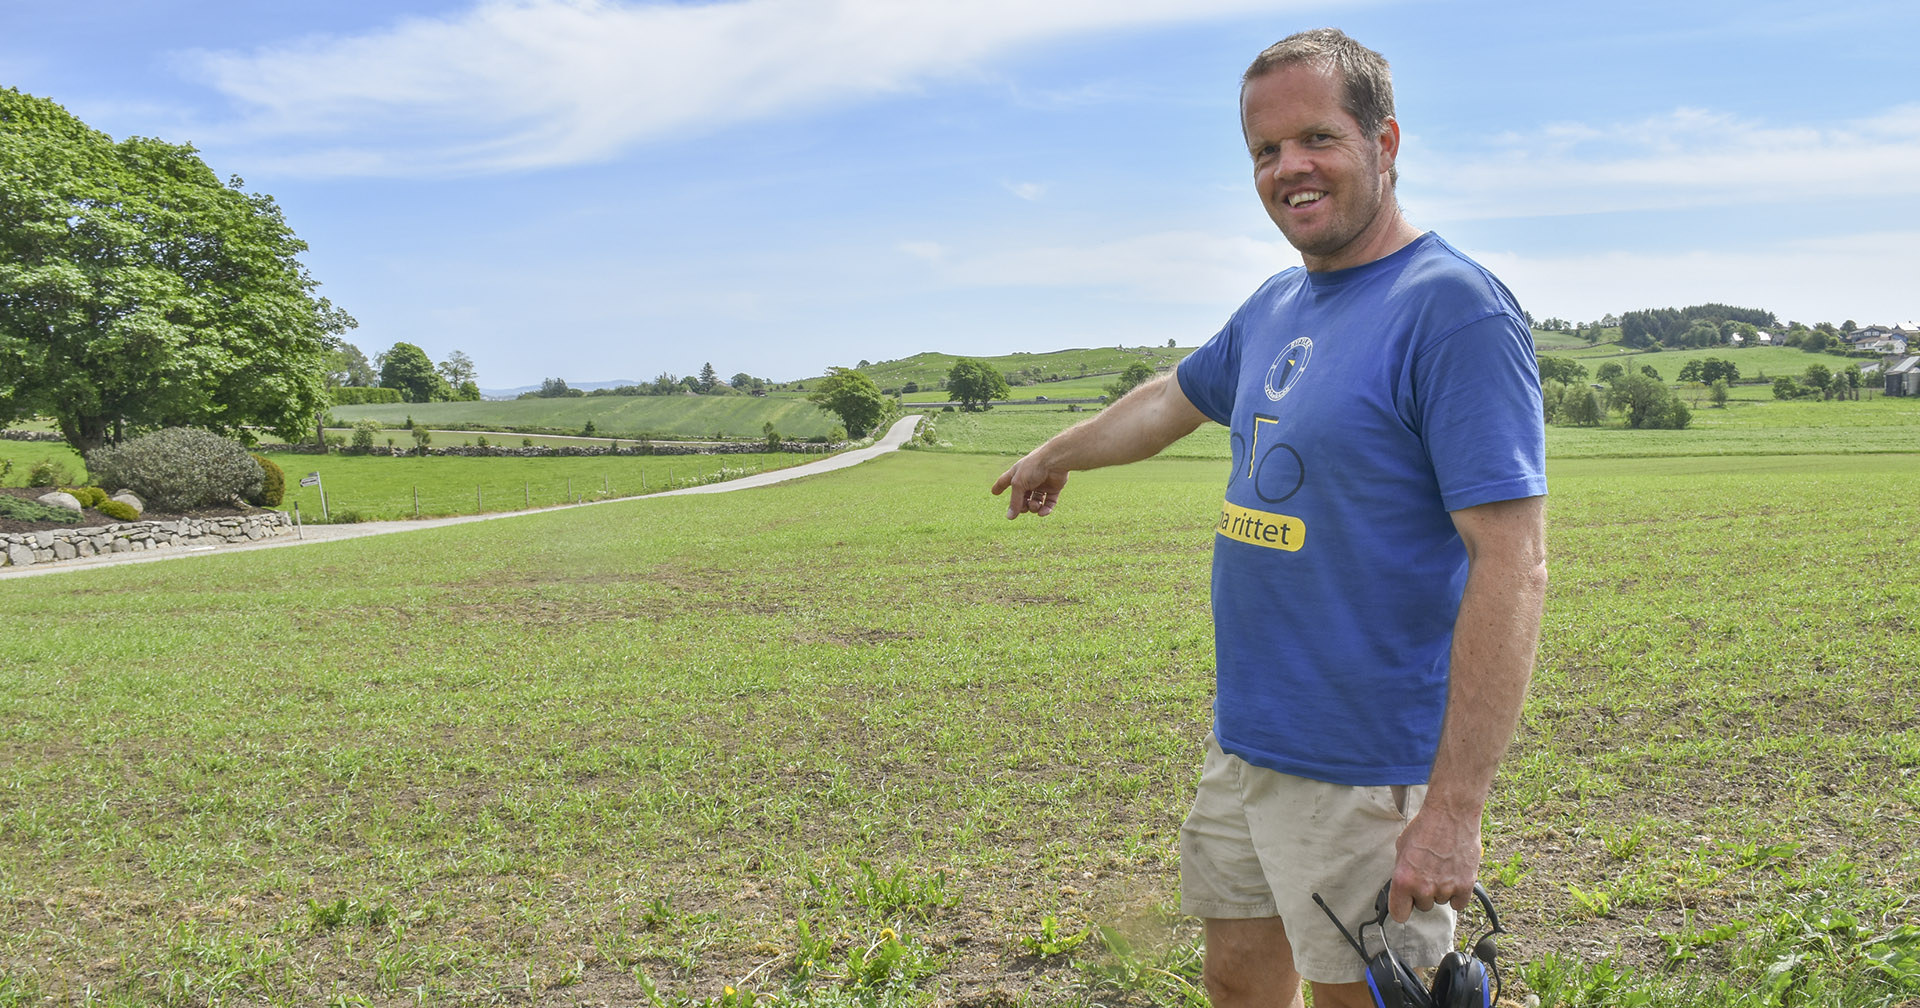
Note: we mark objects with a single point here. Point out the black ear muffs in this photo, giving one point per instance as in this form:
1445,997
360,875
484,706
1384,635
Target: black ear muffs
1461,981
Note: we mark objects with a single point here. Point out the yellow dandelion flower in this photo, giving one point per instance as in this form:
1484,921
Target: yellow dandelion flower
886,934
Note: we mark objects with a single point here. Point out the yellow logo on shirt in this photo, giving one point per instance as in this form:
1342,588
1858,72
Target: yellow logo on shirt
1262,528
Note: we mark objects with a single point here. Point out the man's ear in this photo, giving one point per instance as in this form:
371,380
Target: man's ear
1389,141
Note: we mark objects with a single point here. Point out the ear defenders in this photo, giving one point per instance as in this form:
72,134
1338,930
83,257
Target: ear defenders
1461,981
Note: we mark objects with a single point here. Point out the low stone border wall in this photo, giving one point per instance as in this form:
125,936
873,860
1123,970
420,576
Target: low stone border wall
29,435
21,549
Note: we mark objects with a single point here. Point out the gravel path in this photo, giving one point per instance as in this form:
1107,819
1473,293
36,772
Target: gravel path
896,436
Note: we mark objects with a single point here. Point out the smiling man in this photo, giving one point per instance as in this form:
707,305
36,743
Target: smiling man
1379,562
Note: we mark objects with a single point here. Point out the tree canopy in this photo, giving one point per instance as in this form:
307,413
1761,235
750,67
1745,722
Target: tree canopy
137,291
851,396
1137,374
975,382
408,368
1560,369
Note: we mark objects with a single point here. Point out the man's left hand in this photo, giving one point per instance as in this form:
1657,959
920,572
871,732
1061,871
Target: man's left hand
1438,862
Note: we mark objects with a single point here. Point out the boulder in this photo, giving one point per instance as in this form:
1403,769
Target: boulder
61,499
130,499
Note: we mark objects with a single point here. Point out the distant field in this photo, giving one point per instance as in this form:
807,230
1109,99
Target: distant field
1771,362
372,489
632,417
1098,365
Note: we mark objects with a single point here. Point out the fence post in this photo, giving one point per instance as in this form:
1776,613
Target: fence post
526,494
416,500
569,489
479,507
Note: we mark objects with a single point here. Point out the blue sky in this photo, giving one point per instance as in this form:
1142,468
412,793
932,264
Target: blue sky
596,190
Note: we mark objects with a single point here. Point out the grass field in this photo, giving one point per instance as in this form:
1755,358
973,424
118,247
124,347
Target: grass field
364,488
631,417
857,740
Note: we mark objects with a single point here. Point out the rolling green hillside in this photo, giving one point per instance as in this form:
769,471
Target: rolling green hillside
1080,369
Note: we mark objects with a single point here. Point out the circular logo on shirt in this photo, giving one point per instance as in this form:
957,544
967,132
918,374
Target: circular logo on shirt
1288,367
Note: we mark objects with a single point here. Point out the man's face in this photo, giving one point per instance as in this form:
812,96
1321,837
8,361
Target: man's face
1321,180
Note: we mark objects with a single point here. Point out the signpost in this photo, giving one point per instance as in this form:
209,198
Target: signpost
312,479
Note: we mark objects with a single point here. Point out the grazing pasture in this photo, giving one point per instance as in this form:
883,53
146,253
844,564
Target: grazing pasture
858,740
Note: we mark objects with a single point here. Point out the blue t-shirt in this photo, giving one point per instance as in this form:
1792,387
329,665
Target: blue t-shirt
1364,404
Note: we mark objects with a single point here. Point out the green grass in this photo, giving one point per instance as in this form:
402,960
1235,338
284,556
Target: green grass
631,417
858,740
1079,370
372,488
1753,362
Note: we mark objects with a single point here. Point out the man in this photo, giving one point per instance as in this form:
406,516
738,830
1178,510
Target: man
1379,563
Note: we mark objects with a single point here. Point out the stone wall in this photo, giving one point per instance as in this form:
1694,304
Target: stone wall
20,549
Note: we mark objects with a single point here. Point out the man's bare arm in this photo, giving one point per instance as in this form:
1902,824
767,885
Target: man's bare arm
1140,425
1494,639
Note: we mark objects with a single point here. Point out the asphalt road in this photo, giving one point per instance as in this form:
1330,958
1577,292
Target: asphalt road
895,436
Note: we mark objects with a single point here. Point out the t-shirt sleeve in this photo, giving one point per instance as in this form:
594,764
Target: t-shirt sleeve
1478,394
1209,375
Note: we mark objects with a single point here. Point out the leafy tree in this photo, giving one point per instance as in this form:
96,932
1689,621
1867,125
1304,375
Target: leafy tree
1707,370
457,369
1647,369
406,367
851,396
1582,407
1718,392
1816,341
1786,388
467,392
347,366
1648,403
1818,378
1609,371
708,379
974,382
1137,374
137,291
1560,369
665,383
554,388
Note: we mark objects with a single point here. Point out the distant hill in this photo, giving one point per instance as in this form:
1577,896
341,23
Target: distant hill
928,370
514,393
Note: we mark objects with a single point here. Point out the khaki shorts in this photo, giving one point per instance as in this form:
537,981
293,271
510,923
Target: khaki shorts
1259,843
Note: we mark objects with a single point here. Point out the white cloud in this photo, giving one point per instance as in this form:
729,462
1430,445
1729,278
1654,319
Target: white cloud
1689,157
1868,277
1028,191
517,84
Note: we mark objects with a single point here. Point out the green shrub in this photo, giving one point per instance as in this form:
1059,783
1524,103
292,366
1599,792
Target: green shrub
273,484
88,496
47,472
26,510
117,510
364,433
179,468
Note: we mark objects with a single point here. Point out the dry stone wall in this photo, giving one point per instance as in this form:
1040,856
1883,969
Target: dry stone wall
21,549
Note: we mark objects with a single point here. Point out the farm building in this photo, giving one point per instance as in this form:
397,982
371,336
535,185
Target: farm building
1903,379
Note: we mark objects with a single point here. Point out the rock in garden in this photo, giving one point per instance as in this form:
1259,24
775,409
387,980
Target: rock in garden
130,499
60,500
